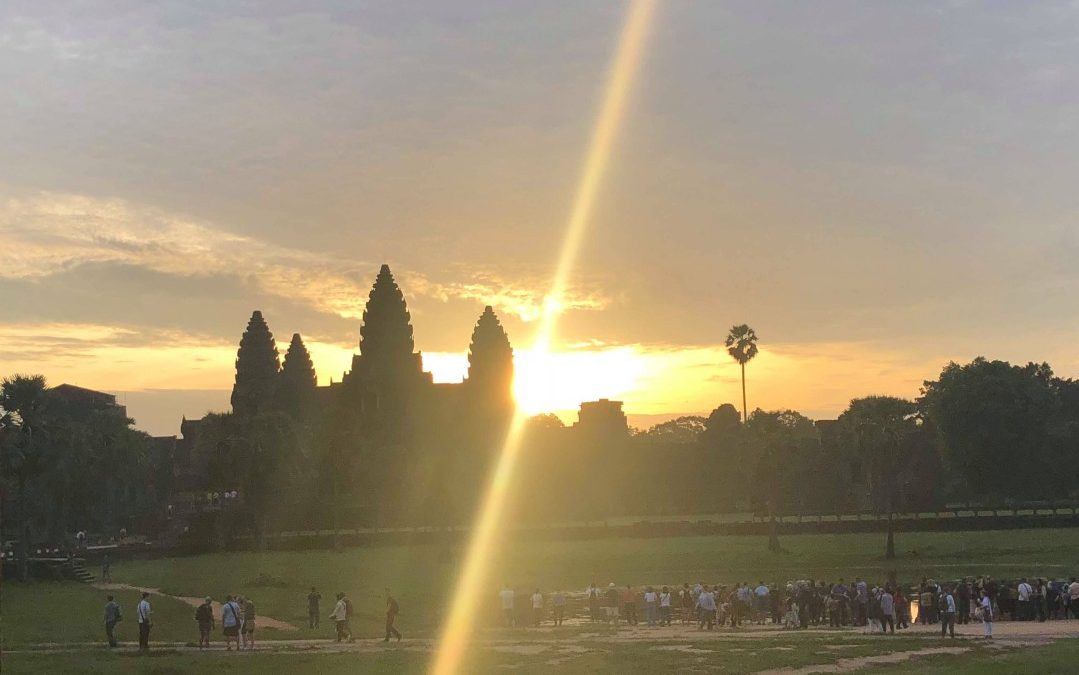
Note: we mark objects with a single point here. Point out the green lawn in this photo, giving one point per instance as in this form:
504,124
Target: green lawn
421,577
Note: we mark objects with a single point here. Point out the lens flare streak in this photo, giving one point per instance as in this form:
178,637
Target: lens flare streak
471,583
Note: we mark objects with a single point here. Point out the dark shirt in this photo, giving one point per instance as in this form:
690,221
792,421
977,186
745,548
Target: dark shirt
204,614
112,612
392,607
312,601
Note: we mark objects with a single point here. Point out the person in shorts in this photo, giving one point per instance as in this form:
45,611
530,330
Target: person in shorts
204,616
247,626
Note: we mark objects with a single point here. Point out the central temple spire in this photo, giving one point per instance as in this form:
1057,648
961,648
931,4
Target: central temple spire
386,334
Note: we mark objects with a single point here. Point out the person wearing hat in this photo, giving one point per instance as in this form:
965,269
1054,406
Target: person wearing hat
204,616
614,600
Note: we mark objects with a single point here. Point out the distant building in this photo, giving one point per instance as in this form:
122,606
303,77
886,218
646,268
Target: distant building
88,398
602,417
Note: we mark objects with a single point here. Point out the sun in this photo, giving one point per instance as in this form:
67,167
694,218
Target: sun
559,381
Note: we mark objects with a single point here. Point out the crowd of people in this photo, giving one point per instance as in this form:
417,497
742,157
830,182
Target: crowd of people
877,608
237,618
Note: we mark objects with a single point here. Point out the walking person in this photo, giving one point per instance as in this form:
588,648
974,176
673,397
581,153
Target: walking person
230,622
559,602
204,617
392,609
247,628
947,615
340,617
144,612
106,570
348,617
313,613
614,600
987,614
593,602
112,617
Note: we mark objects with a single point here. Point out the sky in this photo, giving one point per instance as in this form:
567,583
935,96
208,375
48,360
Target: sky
876,188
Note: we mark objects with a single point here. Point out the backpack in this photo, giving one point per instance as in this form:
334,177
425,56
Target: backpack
348,608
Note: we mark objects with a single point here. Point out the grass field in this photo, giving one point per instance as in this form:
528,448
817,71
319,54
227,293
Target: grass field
421,578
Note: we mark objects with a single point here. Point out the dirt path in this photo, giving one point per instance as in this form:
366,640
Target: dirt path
847,665
261,621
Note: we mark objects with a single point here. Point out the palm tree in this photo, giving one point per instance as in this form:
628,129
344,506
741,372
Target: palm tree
742,346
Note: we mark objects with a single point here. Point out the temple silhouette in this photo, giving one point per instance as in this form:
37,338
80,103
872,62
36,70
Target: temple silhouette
385,411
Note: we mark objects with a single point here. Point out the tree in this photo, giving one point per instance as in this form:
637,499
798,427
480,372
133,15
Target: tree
783,442
883,431
1000,425
742,346
685,429
23,444
256,369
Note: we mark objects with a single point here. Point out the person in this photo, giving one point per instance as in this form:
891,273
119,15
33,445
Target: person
112,617
537,608
247,628
902,609
204,616
106,569
144,612
963,605
506,595
230,622
348,617
559,601
629,605
1073,598
392,609
987,613
1023,606
665,607
947,613
340,617
689,603
706,604
313,613
613,602
651,602
842,594
887,612
760,594
593,602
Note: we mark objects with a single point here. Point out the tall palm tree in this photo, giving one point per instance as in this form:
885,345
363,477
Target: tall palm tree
742,346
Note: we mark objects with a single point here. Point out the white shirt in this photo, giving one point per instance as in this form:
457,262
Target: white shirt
650,596
1073,590
537,600
1024,591
143,611
664,599
507,598
340,611
950,603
